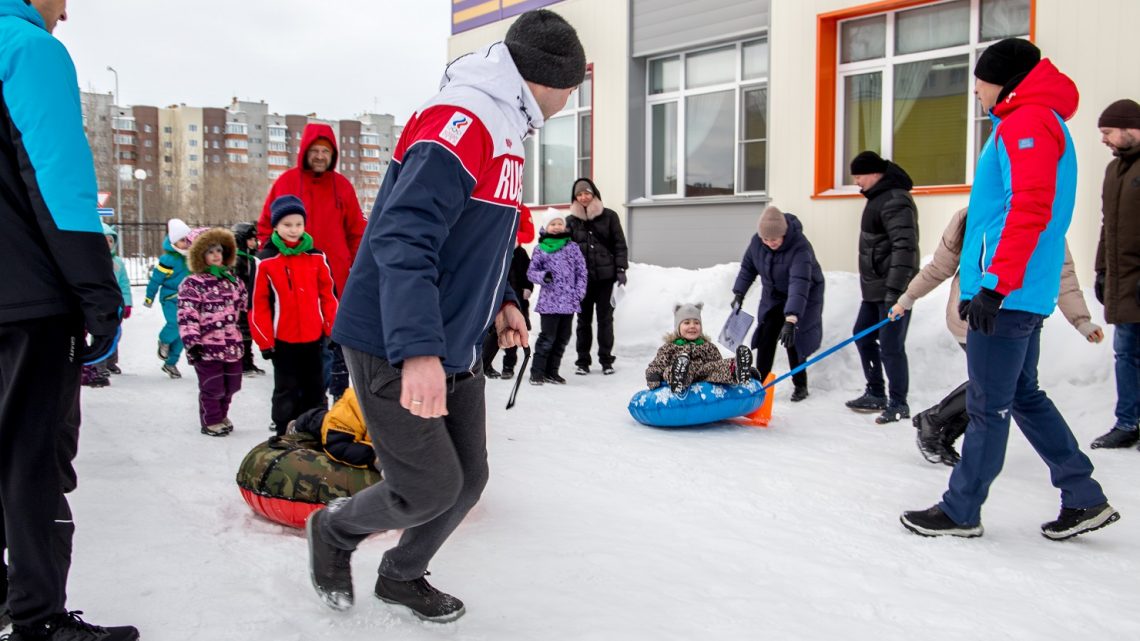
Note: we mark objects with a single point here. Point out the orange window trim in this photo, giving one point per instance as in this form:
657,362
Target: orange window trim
827,62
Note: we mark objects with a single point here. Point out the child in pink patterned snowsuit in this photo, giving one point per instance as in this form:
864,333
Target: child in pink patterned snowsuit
210,301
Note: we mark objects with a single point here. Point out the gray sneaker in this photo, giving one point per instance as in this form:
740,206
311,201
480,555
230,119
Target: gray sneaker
172,371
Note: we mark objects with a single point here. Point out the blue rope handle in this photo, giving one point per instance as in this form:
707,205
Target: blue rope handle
812,361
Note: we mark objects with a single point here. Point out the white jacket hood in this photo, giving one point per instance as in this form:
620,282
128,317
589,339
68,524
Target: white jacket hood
491,71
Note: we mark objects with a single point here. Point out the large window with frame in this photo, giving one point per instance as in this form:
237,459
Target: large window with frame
562,150
707,122
905,86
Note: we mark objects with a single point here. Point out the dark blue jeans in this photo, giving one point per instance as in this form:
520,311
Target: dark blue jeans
1126,345
884,349
1003,384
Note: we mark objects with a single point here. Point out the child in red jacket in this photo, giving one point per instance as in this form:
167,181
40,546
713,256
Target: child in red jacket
293,311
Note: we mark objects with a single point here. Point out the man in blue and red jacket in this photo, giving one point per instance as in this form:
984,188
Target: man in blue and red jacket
428,282
58,284
1014,246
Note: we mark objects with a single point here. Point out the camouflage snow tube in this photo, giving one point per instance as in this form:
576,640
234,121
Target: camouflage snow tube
285,479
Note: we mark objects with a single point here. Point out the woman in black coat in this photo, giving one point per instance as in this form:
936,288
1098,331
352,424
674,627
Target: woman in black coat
791,305
599,235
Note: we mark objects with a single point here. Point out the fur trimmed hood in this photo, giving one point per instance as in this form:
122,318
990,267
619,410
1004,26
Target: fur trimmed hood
586,213
196,255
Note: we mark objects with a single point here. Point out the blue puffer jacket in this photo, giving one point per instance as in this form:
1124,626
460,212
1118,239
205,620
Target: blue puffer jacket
791,276
56,259
167,275
1023,195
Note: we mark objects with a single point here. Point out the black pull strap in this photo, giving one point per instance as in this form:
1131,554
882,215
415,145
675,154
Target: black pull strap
519,376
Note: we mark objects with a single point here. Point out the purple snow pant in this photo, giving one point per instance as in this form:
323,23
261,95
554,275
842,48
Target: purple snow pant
218,381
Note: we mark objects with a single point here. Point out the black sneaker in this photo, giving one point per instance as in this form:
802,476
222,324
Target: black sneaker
536,379
893,413
581,370
114,369
743,369
508,373
799,393
934,522
330,567
421,598
216,430
1072,522
98,381
252,371
607,370
868,403
70,627
491,372
1116,438
929,437
679,377
555,378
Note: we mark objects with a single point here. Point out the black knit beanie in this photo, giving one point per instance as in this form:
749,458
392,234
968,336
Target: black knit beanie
1007,59
1123,114
546,50
284,206
867,162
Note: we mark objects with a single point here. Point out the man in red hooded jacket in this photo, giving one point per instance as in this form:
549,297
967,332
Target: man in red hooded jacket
334,219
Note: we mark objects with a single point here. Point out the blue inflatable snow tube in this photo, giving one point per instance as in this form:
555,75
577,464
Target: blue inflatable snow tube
702,403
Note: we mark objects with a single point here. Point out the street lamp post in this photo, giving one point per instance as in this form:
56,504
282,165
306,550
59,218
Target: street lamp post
140,176
115,141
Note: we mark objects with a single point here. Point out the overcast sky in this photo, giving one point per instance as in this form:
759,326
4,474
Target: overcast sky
339,58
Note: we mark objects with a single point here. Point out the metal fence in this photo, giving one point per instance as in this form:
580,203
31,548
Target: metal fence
140,246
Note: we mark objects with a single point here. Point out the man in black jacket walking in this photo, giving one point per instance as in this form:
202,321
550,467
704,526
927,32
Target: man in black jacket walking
59,284
888,259
598,232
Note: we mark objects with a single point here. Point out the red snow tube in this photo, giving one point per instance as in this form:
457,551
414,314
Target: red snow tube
288,478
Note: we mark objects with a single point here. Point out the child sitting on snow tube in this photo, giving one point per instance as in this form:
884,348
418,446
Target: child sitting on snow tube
341,431
689,356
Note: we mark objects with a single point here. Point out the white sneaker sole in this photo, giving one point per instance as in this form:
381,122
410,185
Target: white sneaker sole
961,532
1107,516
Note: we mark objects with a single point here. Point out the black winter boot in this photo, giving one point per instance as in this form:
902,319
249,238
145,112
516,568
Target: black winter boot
893,413
929,437
1116,438
679,377
868,402
934,522
330,567
743,365
799,393
70,627
421,598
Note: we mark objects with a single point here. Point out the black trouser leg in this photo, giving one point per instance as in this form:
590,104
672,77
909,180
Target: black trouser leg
868,347
511,354
603,293
562,333
585,340
39,423
765,339
490,348
542,348
298,381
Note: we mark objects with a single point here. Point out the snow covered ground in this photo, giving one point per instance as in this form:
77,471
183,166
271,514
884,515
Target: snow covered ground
596,528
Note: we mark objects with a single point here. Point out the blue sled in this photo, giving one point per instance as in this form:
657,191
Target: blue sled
702,403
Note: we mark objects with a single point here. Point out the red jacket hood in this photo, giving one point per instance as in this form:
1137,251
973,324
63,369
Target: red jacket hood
312,132
1044,86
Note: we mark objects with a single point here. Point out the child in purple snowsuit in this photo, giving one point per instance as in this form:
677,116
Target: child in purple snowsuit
559,268
210,301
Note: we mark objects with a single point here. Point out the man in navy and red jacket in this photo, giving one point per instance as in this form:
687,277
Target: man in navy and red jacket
58,284
429,280
1021,205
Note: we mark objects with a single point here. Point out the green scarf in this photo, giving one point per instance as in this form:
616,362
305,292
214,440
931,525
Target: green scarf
682,342
246,255
305,245
551,244
221,271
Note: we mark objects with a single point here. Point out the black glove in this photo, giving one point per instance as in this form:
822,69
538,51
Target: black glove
963,307
100,347
267,354
621,277
653,380
1098,287
548,278
737,301
891,298
788,334
194,353
982,310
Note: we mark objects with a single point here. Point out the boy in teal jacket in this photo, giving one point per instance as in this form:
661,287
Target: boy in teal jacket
112,235
165,278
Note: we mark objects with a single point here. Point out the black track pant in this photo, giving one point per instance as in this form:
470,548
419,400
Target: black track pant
598,294
39,433
766,339
298,381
